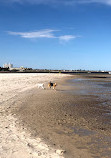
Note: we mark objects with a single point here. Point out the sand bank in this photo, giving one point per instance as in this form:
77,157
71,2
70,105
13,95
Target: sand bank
15,142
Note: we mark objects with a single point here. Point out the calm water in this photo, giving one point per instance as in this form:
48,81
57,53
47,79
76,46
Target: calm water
97,87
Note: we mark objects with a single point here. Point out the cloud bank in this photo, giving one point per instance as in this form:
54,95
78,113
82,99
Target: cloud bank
57,2
43,34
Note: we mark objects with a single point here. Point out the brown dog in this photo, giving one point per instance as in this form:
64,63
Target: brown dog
50,84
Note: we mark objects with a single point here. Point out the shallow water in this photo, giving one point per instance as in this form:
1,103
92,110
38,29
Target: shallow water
97,87
83,131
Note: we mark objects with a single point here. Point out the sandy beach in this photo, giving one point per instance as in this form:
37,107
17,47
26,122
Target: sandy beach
49,123
15,140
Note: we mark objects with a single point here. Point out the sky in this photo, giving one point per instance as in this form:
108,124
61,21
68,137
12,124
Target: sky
56,34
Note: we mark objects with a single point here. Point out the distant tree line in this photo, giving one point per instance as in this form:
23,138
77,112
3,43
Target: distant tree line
4,69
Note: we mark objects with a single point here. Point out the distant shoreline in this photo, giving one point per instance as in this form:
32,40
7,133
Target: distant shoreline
63,72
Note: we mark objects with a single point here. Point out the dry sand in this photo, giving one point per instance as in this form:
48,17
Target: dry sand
15,142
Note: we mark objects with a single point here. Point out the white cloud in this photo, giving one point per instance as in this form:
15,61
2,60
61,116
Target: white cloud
67,37
108,2
59,2
36,34
49,33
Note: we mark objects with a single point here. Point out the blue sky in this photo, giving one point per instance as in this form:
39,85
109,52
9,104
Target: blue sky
56,34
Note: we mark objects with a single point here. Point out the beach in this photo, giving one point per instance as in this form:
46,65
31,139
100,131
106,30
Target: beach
52,123
14,139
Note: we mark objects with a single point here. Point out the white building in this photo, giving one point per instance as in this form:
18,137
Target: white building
10,66
7,65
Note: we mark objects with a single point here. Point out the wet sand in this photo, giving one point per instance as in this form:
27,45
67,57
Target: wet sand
77,124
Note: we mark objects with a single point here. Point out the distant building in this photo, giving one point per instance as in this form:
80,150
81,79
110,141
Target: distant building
11,68
18,68
7,65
